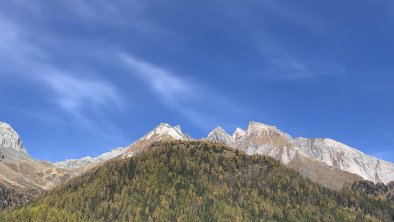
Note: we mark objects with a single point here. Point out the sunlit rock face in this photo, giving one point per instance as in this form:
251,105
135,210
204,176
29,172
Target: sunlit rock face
303,153
10,140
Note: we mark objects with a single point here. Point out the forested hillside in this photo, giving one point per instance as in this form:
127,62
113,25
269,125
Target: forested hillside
11,198
198,181
379,190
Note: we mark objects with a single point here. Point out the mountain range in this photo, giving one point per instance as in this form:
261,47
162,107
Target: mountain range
325,161
23,173
192,180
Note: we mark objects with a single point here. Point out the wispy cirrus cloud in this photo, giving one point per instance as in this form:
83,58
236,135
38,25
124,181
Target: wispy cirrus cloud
174,91
75,93
70,90
171,88
123,13
304,18
184,95
15,47
282,60
279,64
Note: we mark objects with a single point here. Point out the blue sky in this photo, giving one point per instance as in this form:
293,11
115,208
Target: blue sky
79,77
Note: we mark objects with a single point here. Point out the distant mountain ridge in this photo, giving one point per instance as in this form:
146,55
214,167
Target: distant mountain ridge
22,173
198,181
323,160
300,152
162,132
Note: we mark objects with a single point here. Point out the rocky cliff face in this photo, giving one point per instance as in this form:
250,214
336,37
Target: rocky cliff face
332,158
10,141
343,157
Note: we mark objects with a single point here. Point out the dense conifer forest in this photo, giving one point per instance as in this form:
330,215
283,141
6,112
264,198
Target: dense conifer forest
198,181
368,187
11,198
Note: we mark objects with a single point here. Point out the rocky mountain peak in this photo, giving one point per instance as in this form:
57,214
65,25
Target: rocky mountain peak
302,153
163,132
219,135
256,125
238,134
165,129
264,129
10,140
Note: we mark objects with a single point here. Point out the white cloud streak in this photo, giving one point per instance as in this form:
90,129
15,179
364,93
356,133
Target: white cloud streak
169,87
72,91
279,63
75,93
14,47
122,13
179,93
300,18
282,65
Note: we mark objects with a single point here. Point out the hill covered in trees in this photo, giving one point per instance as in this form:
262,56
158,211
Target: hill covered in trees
198,181
11,198
384,191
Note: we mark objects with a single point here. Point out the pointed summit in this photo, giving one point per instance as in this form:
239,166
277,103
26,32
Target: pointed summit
166,130
10,140
264,129
219,135
238,134
253,125
163,132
